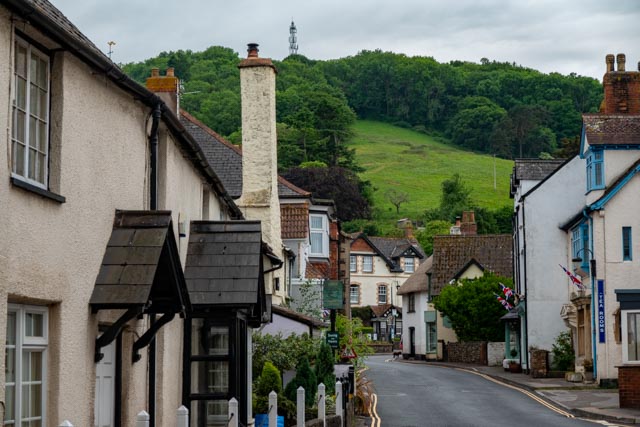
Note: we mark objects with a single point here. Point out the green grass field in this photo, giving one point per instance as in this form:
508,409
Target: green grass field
417,164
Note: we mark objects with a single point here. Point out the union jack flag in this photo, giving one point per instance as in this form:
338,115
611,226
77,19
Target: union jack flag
504,302
508,293
574,279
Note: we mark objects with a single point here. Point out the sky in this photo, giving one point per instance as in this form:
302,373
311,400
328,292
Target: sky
565,36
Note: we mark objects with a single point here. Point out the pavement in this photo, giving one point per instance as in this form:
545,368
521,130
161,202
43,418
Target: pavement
583,400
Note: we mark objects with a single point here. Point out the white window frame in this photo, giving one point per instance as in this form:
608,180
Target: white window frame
409,261
385,294
44,117
33,345
353,263
364,264
357,294
625,337
323,231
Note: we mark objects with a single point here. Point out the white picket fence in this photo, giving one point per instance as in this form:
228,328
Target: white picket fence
182,416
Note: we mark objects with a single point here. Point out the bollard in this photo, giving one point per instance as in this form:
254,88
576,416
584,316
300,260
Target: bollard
322,404
66,423
300,407
339,401
142,419
233,412
183,417
273,409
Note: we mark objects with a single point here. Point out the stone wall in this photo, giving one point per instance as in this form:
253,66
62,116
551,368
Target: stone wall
539,363
467,352
629,386
495,353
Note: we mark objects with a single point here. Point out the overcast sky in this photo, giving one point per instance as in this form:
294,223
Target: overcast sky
548,35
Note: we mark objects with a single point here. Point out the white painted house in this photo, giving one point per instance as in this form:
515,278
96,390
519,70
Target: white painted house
546,193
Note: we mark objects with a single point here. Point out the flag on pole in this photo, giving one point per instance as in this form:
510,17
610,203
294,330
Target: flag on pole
508,293
574,279
504,302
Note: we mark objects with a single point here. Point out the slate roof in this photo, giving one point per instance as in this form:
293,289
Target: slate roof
380,310
226,159
418,281
612,129
451,253
141,264
224,263
294,219
394,247
534,169
302,318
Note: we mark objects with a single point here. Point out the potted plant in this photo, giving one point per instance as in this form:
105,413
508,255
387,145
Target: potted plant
587,364
514,366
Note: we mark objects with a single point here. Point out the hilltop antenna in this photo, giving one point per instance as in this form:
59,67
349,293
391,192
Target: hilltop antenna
111,44
293,39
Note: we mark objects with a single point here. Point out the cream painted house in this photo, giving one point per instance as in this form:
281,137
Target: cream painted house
102,189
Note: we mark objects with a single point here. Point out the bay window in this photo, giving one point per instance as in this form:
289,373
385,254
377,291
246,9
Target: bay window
631,336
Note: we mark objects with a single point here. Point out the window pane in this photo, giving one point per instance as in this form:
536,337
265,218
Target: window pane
19,130
34,325
44,111
34,104
43,71
209,339
18,158
210,377
21,60
32,164
355,294
11,328
316,222
210,412
10,365
42,137
367,264
32,132
33,68
316,243
41,164
10,397
352,263
21,93
598,177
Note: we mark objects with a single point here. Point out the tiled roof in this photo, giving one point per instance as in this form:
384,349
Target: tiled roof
535,169
612,129
292,314
451,253
418,281
294,220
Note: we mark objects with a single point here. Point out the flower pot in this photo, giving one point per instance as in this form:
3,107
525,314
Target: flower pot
515,368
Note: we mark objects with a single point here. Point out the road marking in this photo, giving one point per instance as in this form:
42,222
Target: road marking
373,411
525,392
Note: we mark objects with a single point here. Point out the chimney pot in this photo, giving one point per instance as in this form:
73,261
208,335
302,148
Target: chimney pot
155,72
609,61
170,72
252,49
621,60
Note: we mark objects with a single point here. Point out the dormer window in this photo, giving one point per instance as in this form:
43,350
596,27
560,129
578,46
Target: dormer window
595,170
319,236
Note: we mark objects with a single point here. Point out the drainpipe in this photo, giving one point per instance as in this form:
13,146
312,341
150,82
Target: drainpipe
153,205
593,297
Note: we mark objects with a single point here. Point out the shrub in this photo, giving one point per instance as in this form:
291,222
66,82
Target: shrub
268,381
324,369
563,354
304,378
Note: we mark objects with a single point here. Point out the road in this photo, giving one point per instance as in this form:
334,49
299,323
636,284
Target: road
419,395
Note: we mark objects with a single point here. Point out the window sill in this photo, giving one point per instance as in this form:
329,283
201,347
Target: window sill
37,190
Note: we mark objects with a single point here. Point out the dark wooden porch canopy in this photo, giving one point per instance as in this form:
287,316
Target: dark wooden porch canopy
225,268
140,273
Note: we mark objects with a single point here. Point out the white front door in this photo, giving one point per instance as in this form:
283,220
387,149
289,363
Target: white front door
105,387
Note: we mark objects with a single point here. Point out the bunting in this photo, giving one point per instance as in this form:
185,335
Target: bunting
508,293
504,302
574,279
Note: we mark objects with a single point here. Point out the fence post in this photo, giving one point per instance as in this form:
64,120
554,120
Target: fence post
321,403
339,401
66,423
142,419
273,409
183,417
233,412
300,408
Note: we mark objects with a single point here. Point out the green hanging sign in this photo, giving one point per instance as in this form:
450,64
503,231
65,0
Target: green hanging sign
333,291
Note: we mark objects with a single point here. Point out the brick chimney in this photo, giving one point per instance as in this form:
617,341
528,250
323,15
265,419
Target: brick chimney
167,87
621,88
468,225
259,200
